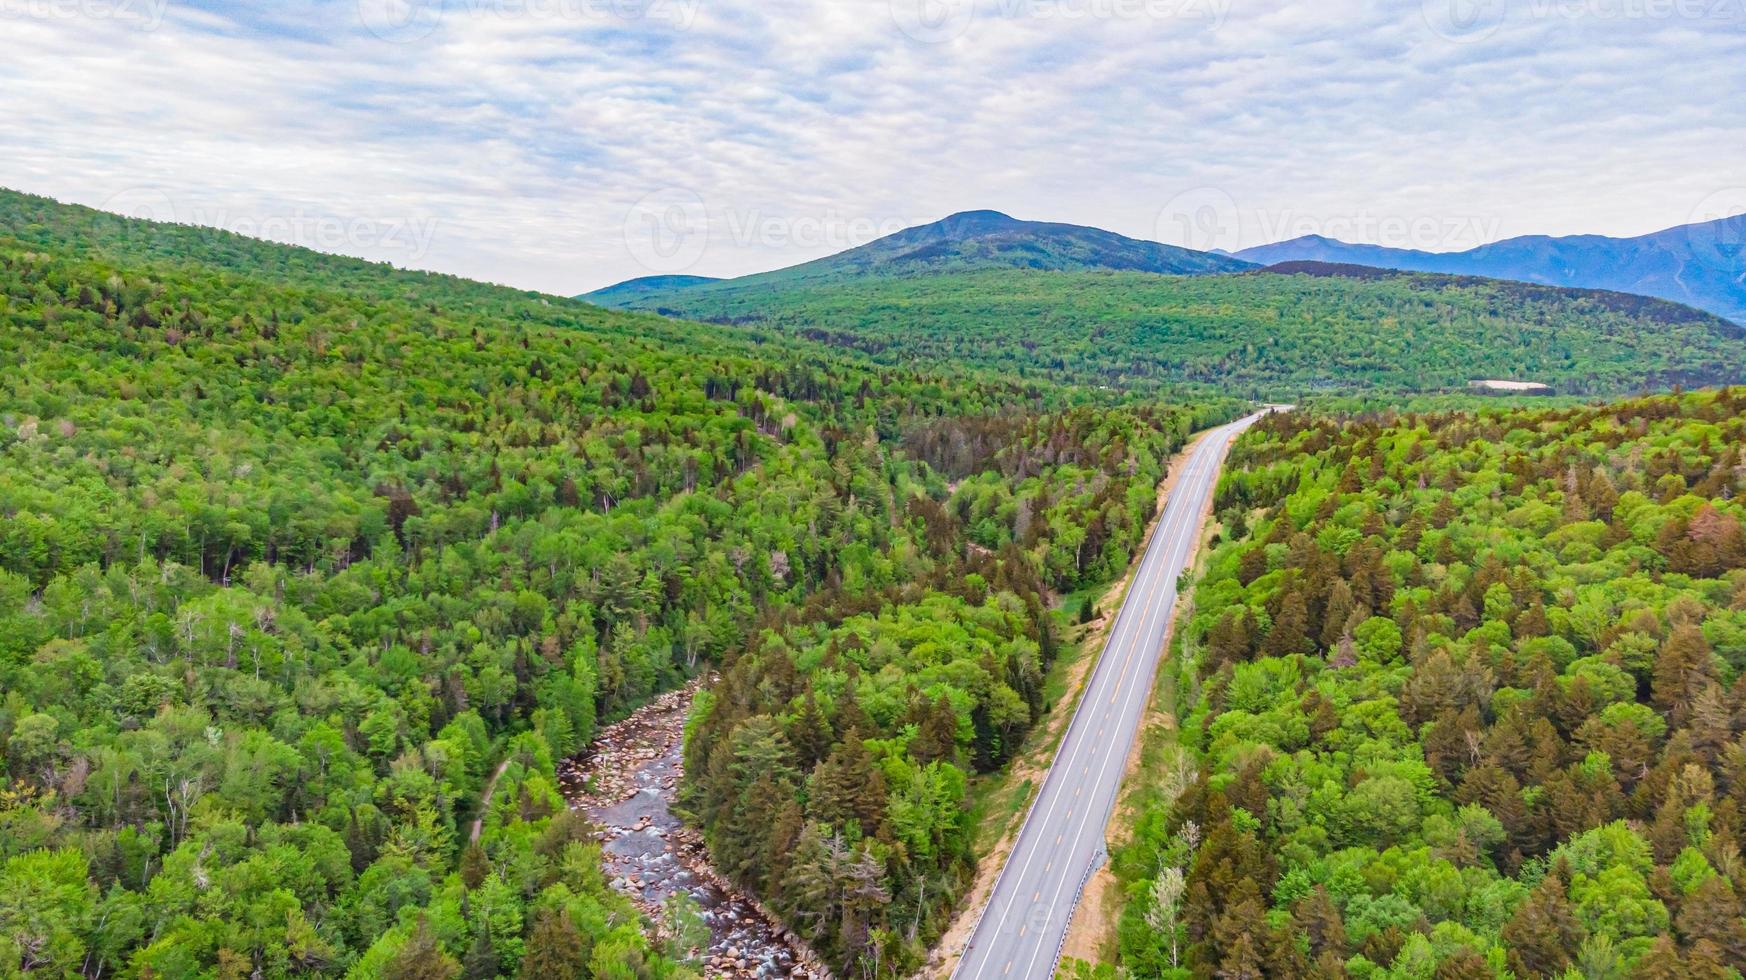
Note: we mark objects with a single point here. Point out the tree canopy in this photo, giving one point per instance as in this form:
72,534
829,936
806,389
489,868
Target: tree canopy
1470,698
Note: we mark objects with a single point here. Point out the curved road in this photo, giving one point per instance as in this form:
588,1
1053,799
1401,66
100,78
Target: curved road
1021,930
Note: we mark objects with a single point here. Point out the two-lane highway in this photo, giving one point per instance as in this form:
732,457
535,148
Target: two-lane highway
1021,930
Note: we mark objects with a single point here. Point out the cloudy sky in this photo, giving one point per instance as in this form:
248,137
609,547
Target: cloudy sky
566,144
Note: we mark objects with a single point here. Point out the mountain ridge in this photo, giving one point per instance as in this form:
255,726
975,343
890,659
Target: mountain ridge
1702,264
968,241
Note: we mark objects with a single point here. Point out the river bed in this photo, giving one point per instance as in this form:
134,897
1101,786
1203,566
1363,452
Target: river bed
625,782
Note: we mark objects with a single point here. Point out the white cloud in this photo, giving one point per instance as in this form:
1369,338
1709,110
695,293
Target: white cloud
521,133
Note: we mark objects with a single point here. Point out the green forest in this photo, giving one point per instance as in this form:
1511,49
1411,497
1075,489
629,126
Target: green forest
1258,334
300,554
1463,695
829,765
312,569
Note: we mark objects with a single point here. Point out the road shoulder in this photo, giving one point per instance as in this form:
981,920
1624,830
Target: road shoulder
1003,798
1091,936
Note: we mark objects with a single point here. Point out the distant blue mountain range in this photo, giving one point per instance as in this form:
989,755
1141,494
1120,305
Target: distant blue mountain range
1701,265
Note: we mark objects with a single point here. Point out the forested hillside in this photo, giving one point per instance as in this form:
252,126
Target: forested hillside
301,554
1470,703
1256,334
829,765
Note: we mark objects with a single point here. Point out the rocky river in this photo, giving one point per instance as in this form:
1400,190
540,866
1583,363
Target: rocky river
625,782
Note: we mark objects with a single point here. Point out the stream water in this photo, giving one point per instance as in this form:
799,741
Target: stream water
625,783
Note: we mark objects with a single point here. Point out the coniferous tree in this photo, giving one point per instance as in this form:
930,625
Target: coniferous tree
1543,936
421,957
554,948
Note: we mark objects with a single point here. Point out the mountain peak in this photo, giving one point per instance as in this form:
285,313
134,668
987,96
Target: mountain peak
965,224
979,216
986,239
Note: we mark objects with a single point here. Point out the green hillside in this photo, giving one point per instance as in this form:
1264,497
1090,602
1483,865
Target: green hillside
1252,333
1460,697
296,551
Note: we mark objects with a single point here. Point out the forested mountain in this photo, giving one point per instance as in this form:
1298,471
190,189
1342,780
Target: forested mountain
1311,329
963,242
301,553
1471,689
1701,264
625,292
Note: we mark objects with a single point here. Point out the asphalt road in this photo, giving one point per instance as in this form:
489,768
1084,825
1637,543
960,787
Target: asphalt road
1021,930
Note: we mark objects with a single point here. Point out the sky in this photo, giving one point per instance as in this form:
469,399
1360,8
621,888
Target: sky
563,145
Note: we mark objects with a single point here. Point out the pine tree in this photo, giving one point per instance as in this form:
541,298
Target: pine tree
1237,946
1682,671
481,961
1317,918
1712,913
847,786
937,738
555,949
779,846
1661,962
809,733
475,866
1464,964
1543,936
1706,962
421,957
740,837
1290,631
850,718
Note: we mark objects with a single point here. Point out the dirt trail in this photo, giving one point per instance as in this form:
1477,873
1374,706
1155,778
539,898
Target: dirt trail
626,782
485,801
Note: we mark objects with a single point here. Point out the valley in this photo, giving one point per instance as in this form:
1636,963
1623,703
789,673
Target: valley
375,623
910,490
